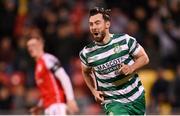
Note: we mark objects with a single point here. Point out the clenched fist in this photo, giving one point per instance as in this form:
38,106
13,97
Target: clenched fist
126,69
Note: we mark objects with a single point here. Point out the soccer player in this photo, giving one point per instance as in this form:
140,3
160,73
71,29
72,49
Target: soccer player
109,66
53,82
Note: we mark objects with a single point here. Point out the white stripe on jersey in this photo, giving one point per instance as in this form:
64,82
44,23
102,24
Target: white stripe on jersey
129,99
137,50
123,91
105,54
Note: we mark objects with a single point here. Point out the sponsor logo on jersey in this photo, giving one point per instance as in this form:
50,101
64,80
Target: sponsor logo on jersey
109,64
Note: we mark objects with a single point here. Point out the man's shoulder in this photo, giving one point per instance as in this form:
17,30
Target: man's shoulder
88,47
48,56
122,37
49,59
118,35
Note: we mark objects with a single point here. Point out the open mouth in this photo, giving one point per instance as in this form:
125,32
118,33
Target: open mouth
96,34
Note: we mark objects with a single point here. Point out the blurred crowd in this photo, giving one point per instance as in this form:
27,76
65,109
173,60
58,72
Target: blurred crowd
64,25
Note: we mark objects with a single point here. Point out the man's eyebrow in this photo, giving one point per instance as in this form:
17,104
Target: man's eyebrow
95,21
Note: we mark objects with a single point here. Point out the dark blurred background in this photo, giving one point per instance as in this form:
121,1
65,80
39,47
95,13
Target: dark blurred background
64,25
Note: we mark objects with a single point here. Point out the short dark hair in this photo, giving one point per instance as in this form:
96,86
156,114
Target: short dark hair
105,13
35,36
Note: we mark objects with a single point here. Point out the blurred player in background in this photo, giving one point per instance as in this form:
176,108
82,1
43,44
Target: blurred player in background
113,59
53,82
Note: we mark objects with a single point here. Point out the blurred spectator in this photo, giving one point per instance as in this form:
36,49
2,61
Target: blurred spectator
8,14
19,97
160,91
77,15
64,44
55,5
22,59
174,10
5,99
31,98
151,45
23,62
175,94
133,29
7,54
99,3
119,20
140,17
35,8
21,17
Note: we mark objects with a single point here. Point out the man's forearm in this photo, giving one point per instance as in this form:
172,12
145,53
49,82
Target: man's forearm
40,103
89,81
65,82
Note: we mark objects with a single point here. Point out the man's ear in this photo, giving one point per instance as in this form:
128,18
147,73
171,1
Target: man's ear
108,24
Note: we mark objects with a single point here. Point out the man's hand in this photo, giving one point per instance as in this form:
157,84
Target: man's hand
126,69
72,106
98,95
35,110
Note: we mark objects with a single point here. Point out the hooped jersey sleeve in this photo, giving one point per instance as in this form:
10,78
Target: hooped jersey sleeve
133,45
83,58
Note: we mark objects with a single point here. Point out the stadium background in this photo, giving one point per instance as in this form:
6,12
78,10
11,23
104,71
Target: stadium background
64,25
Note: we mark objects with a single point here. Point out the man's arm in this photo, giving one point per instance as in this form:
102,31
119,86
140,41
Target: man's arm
53,64
140,59
66,84
86,71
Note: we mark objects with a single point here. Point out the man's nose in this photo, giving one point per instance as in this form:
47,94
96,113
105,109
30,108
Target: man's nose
94,28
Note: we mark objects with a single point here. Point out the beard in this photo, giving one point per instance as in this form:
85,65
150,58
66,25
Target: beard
99,36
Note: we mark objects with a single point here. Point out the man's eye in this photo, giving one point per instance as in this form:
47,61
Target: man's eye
97,23
90,24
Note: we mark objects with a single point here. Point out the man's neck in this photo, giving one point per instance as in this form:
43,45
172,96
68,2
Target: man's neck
106,39
39,55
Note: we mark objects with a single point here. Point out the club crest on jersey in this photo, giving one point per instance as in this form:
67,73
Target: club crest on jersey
117,48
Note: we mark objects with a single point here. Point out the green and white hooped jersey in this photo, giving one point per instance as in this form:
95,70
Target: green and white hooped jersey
105,61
